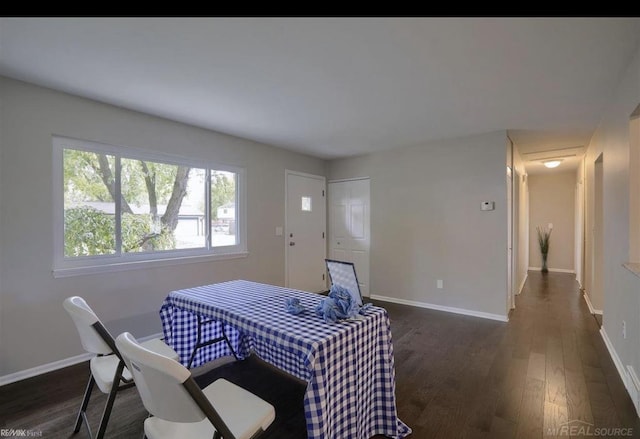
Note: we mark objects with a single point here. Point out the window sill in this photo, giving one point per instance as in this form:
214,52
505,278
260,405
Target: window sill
633,267
139,265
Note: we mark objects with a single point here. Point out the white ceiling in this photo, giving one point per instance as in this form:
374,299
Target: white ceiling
335,87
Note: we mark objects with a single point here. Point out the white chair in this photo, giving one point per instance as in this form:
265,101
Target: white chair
107,367
180,409
343,274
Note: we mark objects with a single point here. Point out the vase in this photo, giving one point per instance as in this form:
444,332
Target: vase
544,263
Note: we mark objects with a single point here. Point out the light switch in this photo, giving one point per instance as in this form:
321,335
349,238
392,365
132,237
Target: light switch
279,231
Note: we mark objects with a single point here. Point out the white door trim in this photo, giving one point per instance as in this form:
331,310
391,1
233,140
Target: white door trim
342,180
287,173
305,174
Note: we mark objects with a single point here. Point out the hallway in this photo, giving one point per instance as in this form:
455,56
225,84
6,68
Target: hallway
465,377
566,353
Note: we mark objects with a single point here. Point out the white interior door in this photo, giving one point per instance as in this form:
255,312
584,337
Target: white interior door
349,234
305,243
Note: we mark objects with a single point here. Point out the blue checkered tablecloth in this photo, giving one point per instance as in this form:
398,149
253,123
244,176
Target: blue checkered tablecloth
349,365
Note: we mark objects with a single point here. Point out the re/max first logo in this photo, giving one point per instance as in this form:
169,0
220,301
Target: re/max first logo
19,432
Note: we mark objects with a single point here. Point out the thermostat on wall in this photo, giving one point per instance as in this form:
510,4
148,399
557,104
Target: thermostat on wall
487,205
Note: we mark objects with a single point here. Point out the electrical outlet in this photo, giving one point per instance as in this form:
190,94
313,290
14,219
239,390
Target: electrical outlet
624,329
440,284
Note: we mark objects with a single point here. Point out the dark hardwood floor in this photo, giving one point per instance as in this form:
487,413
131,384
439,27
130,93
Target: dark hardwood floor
457,377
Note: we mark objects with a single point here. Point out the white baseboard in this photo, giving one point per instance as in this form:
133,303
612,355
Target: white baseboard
50,367
614,355
630,380
592,310
39,370
554,270
467,312
562,270
634,388
526,275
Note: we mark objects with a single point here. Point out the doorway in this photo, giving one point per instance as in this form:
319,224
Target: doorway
515,236
510,253
349,226
305,227
598,239
580,239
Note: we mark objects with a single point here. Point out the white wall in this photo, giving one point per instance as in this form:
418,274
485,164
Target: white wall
621,288
35,329
426,222
552,200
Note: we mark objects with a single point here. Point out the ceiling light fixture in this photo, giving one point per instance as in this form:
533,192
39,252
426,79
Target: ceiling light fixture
552,163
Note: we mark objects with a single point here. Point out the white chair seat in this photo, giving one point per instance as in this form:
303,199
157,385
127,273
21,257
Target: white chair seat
243,412
104,368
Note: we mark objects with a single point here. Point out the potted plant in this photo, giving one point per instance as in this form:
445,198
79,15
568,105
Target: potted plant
543,239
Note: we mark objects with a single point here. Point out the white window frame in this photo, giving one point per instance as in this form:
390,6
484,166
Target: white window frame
72,266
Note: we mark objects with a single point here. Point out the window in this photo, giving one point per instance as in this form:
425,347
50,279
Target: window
117,205
306,204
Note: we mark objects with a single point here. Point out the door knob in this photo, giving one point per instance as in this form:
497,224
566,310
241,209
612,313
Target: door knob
291,244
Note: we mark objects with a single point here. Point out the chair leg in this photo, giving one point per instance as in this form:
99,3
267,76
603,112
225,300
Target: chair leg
85,403
112,397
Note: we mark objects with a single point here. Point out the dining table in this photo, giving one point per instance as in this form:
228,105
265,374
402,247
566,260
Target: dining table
348,364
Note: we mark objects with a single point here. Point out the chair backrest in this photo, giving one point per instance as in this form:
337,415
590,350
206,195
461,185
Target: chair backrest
344,274
87,324
166,387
